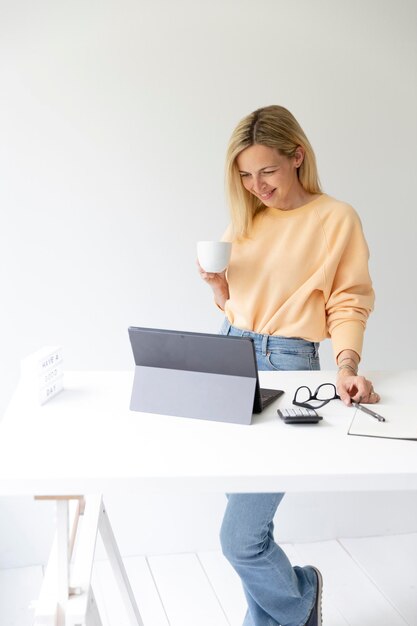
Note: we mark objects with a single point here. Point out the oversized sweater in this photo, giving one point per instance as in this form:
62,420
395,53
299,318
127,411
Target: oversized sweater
303,273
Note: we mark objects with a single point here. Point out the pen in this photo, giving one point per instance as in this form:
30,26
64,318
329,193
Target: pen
366,410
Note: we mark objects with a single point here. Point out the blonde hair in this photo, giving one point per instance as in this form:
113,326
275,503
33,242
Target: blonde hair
275,127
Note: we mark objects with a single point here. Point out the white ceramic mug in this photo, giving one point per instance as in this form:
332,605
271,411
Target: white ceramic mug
214,256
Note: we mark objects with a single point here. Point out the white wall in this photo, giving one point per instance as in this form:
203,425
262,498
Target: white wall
114,119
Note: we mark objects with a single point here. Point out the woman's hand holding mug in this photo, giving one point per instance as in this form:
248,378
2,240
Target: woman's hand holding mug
213,258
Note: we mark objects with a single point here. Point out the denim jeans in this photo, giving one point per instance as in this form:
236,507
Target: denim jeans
277,593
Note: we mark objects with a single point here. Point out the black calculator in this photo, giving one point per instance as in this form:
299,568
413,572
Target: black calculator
299,415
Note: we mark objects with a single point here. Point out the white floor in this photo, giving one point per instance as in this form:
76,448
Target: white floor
367,582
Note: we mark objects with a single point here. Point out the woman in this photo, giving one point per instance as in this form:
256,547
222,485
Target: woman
298,274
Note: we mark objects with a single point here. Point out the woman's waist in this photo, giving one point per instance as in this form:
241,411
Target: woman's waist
270,341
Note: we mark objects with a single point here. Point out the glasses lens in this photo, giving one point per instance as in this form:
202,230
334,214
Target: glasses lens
316,404
303,394
326,392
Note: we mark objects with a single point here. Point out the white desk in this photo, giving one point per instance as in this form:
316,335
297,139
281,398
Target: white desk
87,441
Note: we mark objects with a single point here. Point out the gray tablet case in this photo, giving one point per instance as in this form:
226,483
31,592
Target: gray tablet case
199,375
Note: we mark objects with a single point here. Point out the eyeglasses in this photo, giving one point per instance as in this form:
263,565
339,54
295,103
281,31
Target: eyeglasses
323,394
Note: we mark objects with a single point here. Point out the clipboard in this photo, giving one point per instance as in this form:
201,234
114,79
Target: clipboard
400,422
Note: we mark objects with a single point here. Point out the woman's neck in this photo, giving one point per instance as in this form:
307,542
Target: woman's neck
296,197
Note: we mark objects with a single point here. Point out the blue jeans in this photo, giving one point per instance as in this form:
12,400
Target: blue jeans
277,593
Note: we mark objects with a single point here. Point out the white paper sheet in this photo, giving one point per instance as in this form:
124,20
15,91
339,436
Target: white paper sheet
400,422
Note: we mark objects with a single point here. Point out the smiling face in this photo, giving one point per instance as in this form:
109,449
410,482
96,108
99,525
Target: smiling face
269,175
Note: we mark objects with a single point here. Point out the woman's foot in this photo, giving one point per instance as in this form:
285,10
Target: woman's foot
315,617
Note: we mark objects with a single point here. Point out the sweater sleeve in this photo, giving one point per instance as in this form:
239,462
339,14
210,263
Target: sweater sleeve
350,297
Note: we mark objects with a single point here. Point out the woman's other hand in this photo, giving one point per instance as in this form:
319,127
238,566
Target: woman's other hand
218,283
356,388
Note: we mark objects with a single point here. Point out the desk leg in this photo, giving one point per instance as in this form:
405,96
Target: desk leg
67,598
63,556
53,598
81,606
119,571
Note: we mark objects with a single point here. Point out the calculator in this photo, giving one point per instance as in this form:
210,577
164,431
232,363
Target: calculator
299,415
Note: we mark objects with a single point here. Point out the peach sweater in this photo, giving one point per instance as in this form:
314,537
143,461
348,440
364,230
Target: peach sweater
303,273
